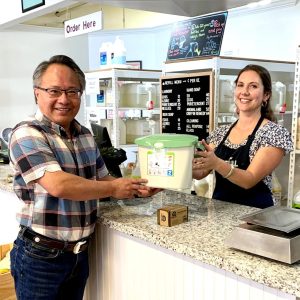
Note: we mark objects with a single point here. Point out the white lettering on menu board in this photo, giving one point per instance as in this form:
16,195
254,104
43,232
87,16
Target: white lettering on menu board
186,104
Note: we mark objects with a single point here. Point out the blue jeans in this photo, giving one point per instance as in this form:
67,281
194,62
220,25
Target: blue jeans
47,274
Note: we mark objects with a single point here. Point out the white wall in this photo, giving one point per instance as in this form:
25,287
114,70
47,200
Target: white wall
20,53
272,34
256,35
148,45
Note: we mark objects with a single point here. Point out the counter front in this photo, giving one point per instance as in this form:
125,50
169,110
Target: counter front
135,258
132,257
9,205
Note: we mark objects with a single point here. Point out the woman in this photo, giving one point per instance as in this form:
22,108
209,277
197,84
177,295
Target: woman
244,154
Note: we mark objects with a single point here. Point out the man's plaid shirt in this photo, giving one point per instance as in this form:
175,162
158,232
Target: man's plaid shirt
39,145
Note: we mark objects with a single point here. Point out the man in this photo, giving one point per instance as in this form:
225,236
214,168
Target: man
59,176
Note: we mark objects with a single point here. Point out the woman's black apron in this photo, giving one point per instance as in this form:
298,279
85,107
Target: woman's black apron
258,196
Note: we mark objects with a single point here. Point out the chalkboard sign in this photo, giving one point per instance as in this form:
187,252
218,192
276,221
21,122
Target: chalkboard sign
186,104
200,36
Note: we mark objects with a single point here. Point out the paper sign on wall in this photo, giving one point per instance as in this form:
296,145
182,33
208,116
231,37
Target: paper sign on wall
92,84
85,24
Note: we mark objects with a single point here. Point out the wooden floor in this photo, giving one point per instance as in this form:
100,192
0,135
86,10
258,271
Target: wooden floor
7,289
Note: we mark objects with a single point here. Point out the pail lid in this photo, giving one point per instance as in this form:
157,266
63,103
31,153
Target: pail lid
167,140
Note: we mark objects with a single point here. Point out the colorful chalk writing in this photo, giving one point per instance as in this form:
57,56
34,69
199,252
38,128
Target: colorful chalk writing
199,36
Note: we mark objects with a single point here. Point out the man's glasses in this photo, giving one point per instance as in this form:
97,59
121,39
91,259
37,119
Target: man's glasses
56,92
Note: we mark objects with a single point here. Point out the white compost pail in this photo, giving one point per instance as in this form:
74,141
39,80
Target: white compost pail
166,160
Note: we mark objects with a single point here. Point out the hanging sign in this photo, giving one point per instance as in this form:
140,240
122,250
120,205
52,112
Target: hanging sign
199,36
85,24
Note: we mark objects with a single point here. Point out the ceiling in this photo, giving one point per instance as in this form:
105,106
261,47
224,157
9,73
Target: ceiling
187,8
122,14
114,17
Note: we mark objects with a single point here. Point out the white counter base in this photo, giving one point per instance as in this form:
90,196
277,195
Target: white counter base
125,268
9,227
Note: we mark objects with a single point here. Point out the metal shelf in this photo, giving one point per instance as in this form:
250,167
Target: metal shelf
295,115
125,74
222,62
116,111
227,68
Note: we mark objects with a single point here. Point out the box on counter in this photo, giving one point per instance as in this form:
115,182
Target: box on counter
172,214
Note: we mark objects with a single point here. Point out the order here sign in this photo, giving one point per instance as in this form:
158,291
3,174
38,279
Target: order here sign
85,24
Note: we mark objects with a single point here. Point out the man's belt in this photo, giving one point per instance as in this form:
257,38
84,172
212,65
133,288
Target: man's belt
75,247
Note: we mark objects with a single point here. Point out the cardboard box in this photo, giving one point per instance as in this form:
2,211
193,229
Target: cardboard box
7,287
172,214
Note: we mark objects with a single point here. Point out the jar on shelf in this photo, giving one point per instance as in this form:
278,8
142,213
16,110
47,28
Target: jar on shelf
226,102
278,96
276,189
138,95
137,128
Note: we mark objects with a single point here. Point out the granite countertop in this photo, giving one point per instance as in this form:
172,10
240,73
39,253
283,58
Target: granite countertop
201,238
5,177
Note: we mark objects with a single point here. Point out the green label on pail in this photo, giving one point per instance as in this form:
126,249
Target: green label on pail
160,163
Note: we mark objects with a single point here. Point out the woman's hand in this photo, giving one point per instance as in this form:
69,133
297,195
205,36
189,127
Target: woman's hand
204,161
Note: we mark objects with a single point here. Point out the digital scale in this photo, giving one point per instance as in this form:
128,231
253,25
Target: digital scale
273,232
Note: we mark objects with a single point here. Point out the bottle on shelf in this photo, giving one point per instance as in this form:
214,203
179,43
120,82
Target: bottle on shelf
122,132
282,112
150,101
226,103
118,52
105,53
296,201
276,189
201,187
136,172
123,169
100,98
278,96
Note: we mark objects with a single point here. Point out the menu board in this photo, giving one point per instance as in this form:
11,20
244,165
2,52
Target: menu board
186,104
199,36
